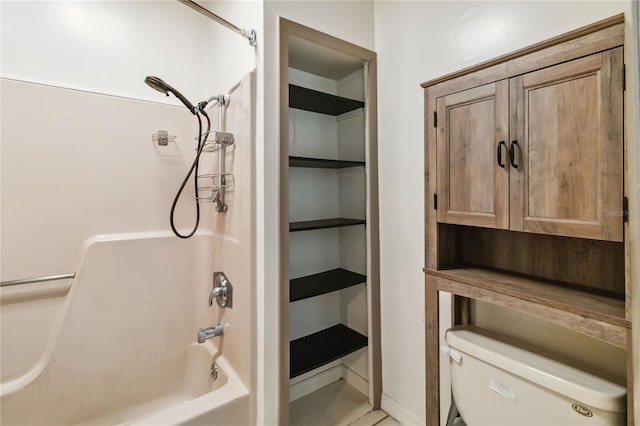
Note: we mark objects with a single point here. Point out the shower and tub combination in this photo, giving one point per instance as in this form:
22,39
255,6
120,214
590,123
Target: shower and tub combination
148,328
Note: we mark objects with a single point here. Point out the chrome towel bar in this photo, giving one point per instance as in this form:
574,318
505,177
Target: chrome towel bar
37,280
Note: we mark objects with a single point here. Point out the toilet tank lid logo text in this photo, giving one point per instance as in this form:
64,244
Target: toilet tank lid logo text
582,410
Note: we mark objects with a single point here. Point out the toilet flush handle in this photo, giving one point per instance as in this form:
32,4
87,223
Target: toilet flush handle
454,355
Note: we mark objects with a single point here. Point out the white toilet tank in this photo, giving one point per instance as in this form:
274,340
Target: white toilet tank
495,383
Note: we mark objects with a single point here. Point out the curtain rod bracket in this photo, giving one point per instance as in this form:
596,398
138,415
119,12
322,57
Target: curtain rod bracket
251,36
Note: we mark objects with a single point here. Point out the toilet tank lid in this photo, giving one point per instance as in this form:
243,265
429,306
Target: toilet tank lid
560,378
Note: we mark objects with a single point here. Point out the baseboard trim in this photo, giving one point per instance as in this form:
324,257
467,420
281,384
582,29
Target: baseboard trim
398,412
323,376
314,382
355,380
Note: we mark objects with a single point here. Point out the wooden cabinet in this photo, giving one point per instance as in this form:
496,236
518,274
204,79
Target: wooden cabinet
540,152
473,188
567,121
524,159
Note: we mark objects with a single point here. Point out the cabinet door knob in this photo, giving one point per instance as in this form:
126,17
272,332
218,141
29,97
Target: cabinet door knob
500,145
512,154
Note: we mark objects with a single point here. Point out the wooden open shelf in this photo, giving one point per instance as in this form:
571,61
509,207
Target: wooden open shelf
318,349
598,315
310,225
322,283
321,163
323,103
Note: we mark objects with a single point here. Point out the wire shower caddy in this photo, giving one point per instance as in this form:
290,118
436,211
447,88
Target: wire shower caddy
212,186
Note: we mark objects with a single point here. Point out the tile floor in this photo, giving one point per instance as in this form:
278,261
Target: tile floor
388,421
337,404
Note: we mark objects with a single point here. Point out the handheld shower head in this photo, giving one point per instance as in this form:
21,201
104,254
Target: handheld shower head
158,84
162,87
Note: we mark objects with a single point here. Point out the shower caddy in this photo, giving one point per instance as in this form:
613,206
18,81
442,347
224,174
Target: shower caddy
213,186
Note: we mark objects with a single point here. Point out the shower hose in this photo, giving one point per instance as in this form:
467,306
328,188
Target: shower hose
194,166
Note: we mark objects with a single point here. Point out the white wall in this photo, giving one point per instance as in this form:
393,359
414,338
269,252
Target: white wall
111,46
228,56
105,47
336,18
417,41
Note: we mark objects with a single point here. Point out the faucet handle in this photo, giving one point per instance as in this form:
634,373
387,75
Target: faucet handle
222,291
216,293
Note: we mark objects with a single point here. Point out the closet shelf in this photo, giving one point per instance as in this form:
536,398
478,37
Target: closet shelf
321,163
318,349
597,314
324,103
324,282
310,225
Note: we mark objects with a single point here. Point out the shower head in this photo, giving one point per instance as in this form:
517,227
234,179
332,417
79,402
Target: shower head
162,87
158,84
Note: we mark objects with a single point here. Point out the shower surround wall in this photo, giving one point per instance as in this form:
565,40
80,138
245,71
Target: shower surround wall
84,187
138,297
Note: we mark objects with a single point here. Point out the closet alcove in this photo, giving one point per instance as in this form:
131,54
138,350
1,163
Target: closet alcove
329,217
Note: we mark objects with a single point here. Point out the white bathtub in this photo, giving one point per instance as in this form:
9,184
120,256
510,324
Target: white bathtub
122,349
190,397
196,399
204,401
200,400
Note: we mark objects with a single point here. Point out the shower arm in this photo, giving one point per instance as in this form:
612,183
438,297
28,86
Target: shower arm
212,101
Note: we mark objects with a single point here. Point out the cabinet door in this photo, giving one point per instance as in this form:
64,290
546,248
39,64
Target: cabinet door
473,188
567,123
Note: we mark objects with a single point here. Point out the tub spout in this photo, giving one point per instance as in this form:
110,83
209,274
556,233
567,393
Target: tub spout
205,334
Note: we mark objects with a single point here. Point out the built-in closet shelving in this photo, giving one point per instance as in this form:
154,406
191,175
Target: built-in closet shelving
323,103
328,245
324,282
322,347
322,163
309,225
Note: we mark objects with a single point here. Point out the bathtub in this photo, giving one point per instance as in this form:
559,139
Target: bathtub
194,399
122,349
200,400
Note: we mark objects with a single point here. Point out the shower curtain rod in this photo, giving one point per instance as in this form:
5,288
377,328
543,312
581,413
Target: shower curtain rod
249,34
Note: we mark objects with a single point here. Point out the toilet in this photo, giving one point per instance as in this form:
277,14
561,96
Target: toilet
495,383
